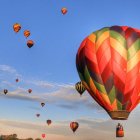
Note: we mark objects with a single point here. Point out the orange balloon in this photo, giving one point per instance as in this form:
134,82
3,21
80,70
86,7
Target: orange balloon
30,43
27,33
16,27
64,11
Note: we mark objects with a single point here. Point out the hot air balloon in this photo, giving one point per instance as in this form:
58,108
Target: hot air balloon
17,80
119,130
43,136
27,33
42,104
29,90
49,122
16,27
5,91
64,11
38,115
74,126
108,66
30,43
79,87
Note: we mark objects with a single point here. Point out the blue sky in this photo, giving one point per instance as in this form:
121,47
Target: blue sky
49,66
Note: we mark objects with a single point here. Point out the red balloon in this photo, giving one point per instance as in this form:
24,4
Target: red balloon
43,135
30,90
74,126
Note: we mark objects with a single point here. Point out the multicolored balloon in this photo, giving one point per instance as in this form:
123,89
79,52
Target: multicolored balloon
74,126
108,65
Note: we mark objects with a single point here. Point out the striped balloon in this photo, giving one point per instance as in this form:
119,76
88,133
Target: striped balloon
79,87
108,63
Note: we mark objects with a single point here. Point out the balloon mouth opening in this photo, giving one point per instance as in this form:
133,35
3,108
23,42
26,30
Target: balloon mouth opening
119,114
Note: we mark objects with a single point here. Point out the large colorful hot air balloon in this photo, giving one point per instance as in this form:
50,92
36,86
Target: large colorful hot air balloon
74,126
49,122
79,87
16,27
27,33
5,91
108,65
30,43
64,10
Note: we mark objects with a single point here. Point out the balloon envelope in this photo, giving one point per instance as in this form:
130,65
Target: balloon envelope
74,126
43,135
42,104
5,91
38,115
49,122
80,88
27,33
64,11
17,80
30,43
30,90
16,27
108,65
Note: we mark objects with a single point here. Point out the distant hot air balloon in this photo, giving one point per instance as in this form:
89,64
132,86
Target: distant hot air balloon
17,80
49,122
119,130
43,136
38,115
30,43
79,87
108,65
64,11
16,27
27,33
42,104
5,91
30,90
74,126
